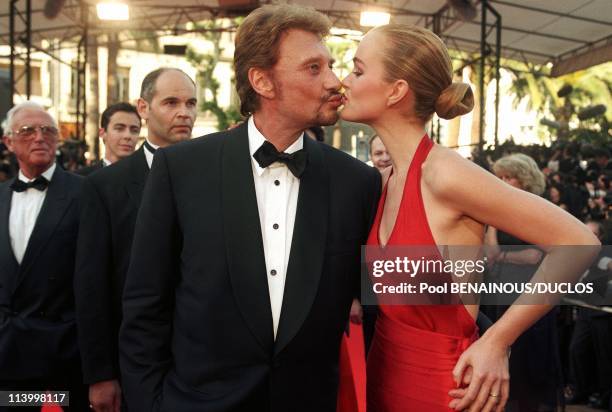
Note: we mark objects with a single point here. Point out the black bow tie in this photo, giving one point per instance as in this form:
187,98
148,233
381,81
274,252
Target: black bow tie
267,154
148,146
40,183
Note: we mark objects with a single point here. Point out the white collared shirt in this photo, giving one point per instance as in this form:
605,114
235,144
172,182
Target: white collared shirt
148,154
277,191
106,162
25,207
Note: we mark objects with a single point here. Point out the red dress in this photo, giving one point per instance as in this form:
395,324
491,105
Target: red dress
415,347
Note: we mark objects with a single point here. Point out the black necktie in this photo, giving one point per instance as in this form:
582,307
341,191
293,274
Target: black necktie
267,154
40,183
150,148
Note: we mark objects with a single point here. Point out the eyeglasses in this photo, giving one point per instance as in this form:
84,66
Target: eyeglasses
29,132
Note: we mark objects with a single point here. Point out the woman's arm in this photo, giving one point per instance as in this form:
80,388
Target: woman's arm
529,256
473,192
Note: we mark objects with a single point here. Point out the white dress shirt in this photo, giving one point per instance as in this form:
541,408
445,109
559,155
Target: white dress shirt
148,154
25,207
277,193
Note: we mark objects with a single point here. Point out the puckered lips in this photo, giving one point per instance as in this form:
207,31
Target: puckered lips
335,100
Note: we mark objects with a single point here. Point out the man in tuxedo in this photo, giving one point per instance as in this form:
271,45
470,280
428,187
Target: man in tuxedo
246,254
119,130
111,198
39,220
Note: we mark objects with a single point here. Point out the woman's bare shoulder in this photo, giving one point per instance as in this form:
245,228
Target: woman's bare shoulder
445,168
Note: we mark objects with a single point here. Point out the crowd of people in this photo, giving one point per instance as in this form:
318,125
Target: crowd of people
570,352
219,273
578,175
50,216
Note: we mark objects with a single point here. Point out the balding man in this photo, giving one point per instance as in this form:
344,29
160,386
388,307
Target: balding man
378,153
111,198
39,220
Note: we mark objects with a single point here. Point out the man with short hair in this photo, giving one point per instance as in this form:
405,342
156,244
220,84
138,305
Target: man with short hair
246,250
39,218
111,198
378,153
119,130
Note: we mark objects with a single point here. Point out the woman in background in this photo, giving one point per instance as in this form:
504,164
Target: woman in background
535,366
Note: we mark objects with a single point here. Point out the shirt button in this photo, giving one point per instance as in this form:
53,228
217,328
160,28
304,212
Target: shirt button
275,226
273,272
276,182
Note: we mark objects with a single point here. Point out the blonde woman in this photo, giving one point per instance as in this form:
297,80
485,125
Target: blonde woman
534,364
420,354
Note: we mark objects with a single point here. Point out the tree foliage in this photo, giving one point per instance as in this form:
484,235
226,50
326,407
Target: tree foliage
205,63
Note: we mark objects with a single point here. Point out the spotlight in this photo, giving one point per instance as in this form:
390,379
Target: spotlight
113,10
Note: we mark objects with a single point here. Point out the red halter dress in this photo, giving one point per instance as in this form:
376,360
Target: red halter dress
415,347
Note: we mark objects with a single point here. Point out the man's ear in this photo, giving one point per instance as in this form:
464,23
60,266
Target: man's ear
8,142
102,134
261,82
143,108
399,90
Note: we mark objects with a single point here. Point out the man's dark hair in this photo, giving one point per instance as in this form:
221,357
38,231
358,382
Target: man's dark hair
114,108
147,89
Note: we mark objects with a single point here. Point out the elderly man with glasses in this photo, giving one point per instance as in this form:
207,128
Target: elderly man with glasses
38,231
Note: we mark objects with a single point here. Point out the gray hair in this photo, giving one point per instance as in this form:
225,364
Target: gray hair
10,115
524,169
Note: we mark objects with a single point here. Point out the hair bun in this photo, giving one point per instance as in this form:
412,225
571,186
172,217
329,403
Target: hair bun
455,100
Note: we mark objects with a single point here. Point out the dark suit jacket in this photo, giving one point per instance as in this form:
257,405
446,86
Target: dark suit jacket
37,326
110,201
197,332
87,170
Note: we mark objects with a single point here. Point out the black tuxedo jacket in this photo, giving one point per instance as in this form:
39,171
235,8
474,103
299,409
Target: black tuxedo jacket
37,324
197,332
110,201
87,170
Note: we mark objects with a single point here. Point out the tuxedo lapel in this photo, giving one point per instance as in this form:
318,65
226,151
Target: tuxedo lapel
53,209
139,170
307,246
243,239
8,263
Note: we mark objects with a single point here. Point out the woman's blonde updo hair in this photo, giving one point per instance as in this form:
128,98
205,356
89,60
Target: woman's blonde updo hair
419,57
